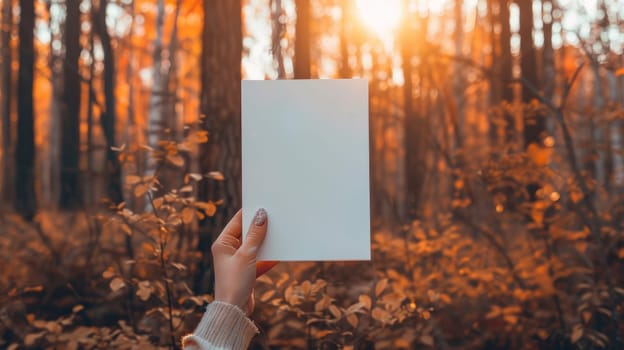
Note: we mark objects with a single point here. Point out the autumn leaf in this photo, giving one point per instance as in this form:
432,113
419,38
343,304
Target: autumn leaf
145,290
322,304
77,308
158,202
306,287
324,333
381,286
133,179
209,208
366,301
335,311
188,215
118,149
426,339
179,266
353,320
31,339
380,314
511,319
266,296
264,279
108,273
577,333
176,160
116,284
140,190
194,176
216,175
540,155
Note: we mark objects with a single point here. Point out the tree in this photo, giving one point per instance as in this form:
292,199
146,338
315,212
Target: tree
302,40
25,203
108,117
70,118
345,69
157,123
506,69
414,127
276,37
548,54
458,81
7,25
220,116
534,123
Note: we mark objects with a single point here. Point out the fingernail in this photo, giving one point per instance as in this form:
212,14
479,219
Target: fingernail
260,217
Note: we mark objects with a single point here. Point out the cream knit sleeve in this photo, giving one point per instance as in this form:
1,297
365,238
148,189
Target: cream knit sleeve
223,327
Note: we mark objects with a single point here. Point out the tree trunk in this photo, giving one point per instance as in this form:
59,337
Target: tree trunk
506,71
53,149
108,117
302,40
70,126
276,37
220,116
156,123
458,76
495,85
90,182
414,139
345,69
534,123
548,54
25,203
7,82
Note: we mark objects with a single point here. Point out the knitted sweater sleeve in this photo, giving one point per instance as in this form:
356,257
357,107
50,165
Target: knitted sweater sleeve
223,327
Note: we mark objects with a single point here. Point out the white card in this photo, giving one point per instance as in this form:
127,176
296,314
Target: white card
305,159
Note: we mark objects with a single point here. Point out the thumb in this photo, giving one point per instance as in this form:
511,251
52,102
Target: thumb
257,232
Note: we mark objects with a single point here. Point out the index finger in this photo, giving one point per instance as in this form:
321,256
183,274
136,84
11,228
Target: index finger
234,228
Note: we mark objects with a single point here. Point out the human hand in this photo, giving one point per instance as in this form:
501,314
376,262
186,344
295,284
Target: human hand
236,268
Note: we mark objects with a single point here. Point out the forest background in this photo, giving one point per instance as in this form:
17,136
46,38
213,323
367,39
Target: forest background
497,170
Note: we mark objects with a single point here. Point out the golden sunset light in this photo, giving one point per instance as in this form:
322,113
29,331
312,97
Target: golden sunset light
382,17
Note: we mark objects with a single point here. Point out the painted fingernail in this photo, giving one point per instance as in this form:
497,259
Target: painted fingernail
260,217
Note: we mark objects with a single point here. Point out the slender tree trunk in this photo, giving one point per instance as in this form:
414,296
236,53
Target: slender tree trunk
276,37
55,119
413,124
548,54
25,203
459,70
7,84
71,197
220,116
495,86
506,71
108,117
129,133
302,40
89,180
172,176
156,123
534,123
345,69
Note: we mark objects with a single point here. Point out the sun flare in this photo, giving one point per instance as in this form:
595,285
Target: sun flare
381,16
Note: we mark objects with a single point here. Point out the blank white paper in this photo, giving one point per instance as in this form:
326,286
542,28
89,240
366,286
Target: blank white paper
305,159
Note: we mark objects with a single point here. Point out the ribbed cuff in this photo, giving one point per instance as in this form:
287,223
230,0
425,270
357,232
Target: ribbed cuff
223,326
